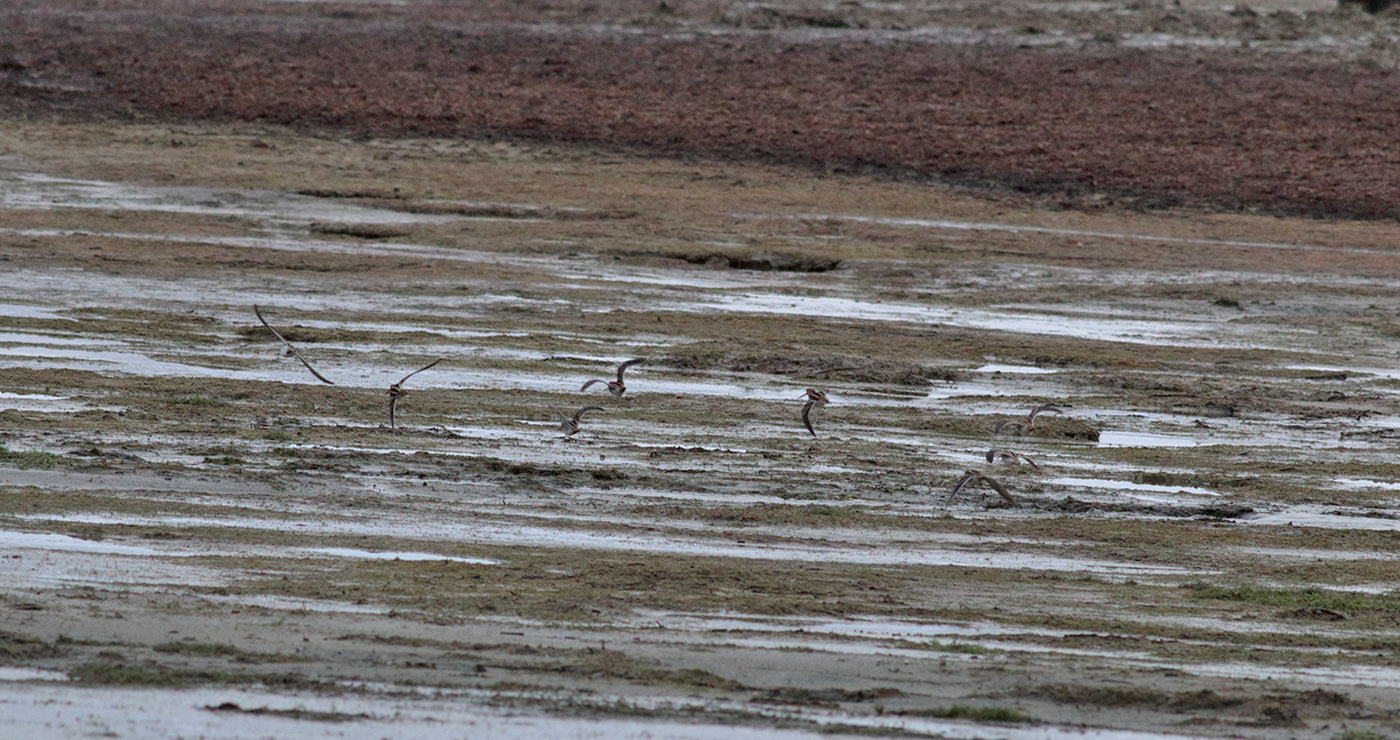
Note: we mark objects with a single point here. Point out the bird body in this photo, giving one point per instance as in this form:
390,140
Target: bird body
814,398
977,476
396,391
1026,424
995,454
615,387
288,348
570,425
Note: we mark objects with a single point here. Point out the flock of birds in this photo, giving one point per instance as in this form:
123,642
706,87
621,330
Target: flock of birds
815,399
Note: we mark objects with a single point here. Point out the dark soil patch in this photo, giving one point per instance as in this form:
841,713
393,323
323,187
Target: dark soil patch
1223,127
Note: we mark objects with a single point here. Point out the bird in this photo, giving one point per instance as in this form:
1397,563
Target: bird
288,346
1026,424
396,390
615,387
814,398
998,453
569,426
977,476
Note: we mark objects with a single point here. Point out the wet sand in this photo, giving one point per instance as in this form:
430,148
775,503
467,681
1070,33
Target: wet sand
205,538
202,538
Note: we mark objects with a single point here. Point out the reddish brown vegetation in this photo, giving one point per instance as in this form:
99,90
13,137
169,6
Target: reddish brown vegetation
1222,129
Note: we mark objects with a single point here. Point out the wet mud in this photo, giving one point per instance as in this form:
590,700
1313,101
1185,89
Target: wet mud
201,537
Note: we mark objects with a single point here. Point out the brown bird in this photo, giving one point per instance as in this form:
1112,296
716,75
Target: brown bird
977,476
814,398
995,454
1026,424
396,390
290,348
569,426
615,387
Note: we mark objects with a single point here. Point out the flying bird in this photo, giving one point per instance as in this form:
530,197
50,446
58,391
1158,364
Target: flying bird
569,426
615,387
814,398
288,346
995,454
1026,424
977,476
396,390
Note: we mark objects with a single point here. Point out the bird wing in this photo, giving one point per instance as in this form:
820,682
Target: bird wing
579,414
999,488
289,346
969,475
806,416
623,367
419,370
393,400
591,382
1046,409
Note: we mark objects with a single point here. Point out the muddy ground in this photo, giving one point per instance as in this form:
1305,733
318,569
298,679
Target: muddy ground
204,539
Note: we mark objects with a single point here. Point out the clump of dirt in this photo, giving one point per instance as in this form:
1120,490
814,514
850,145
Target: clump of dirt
1070,504
823,697
360,231
305,714
706,356
765,261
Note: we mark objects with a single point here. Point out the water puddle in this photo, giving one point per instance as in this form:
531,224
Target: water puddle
26,311
1325,518
43,402
1364,484
1015,369
1122,485
16,673
875,628
524,535
1111,438
36,191
345,552
63,543
296,604
1175,332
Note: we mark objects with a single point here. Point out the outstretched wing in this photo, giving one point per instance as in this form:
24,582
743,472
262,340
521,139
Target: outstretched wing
623,367
419,370
1004,423
969,475
289,346
1042,409
999,488
591,382
807,416
579,414
393,401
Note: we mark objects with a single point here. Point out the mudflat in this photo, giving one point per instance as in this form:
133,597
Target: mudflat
203,537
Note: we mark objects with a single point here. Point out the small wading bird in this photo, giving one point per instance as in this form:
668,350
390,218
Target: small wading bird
814,398
569,426
977,476
995,454
289,348
615,387
396,390
1027,424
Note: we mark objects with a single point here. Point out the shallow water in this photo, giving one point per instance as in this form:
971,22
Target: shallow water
500,533
37,191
